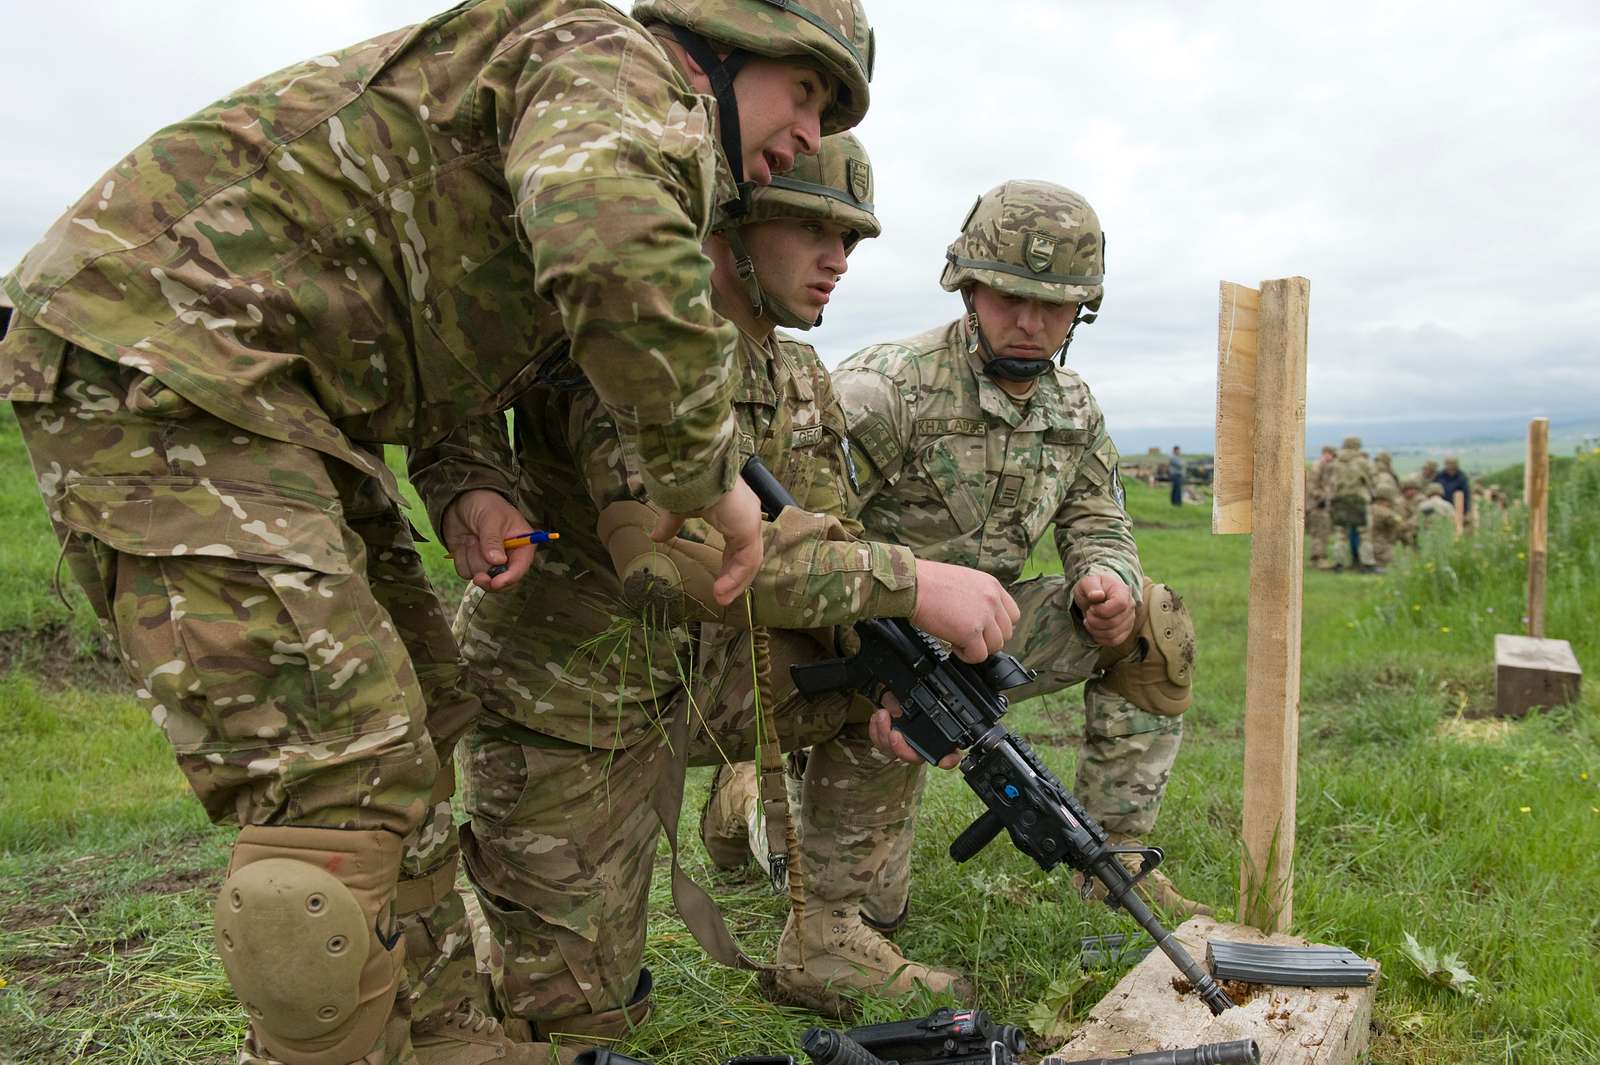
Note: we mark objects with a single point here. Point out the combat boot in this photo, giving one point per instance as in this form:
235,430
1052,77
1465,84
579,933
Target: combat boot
725,819
1156,889
826,948
471,1037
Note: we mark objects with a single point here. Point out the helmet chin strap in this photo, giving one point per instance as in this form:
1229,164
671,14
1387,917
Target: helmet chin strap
1009,367
721,72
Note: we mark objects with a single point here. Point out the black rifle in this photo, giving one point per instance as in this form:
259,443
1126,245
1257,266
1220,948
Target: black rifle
1238,1052
947,705
943,1037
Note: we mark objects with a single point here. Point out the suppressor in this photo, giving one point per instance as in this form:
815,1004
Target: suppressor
1238,1052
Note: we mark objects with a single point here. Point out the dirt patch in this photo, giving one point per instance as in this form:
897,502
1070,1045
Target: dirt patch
179,882
1242,992
55,656
1469,729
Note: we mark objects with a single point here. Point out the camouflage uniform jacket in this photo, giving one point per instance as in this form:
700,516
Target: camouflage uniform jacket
373,245
1351,476
1320,483
574,630
949,466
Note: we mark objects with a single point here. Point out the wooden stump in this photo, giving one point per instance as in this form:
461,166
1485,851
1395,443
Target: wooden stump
1531,672
1291,1025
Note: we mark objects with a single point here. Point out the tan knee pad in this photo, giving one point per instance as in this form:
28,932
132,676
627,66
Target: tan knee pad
1161,678
303,927
660,576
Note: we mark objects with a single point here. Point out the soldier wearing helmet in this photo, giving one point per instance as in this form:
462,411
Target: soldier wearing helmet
566,767
971,446
1387,522
372,247
1352,480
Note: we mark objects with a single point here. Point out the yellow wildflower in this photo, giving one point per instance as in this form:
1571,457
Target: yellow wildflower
1444,628
1525,809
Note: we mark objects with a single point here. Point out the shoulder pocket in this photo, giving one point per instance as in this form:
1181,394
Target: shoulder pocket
30,362
175,516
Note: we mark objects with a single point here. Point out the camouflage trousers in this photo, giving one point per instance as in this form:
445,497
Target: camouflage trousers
562,838
274,617
1319,528
1386,530
1351,520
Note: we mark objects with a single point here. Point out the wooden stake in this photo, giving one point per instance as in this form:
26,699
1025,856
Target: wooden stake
1233,475
1272,663
1460,500
1537,481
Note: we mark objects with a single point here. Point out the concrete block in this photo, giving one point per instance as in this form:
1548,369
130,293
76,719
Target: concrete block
1530,672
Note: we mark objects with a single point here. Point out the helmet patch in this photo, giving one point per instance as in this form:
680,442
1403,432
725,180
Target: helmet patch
859,176
1039,252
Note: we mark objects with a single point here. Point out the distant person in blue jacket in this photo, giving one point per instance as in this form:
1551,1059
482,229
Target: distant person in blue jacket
1175,472
1452,480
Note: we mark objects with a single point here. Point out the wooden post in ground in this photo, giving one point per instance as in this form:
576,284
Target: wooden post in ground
1261,431
1537,482
1460,501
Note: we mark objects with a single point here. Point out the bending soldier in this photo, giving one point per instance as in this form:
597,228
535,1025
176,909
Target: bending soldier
585,671
371,247
1319,499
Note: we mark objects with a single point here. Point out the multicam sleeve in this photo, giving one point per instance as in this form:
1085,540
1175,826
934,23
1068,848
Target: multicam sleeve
476,455
613,165
879,425
1092,529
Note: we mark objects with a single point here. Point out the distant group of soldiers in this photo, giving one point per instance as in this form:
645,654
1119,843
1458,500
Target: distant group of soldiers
1366,510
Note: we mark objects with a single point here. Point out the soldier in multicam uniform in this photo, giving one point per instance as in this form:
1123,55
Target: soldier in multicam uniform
1351,499
370,247
1410,501
1434,517
968,447
567,769
1319,498
1387,522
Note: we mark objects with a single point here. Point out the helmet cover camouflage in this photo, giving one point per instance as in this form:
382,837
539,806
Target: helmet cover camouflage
1352,443
833,35
1031,239
835,185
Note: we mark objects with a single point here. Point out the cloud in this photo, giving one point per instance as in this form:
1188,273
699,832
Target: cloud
1430,167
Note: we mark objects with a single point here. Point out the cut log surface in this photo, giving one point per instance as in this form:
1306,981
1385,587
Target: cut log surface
1531,672
1292,1025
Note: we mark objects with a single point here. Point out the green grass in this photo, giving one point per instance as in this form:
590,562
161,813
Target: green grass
1411,820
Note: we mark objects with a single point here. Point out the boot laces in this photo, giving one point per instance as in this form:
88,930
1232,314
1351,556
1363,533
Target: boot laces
472,1019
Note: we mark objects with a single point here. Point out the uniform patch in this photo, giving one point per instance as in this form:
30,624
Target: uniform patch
1068,437
806,437
873,436
1039,252
1010,493
946,426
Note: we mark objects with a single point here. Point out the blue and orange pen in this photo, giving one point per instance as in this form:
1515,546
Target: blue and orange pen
527,539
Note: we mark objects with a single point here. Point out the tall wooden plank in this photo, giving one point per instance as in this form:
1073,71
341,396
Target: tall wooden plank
1537,479
1233,473
1272,662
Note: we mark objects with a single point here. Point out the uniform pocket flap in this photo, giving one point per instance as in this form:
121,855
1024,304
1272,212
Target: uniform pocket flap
184,516
30,362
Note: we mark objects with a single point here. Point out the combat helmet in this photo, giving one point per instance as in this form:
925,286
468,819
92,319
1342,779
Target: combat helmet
1031,239
831,34
835,185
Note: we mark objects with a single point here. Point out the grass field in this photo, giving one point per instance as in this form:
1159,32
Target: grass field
1419,814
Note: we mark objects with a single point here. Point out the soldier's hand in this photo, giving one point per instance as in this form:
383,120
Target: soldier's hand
1108,608
966,608
476,525
737,516
884,736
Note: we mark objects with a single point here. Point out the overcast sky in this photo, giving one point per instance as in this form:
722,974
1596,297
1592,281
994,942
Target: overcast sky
1433,168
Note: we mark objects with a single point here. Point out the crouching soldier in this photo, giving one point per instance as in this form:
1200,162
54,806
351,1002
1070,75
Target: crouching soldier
969,446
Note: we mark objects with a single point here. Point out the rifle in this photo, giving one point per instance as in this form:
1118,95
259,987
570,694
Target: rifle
947,705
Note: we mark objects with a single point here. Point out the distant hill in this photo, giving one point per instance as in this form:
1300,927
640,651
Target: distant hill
1481,444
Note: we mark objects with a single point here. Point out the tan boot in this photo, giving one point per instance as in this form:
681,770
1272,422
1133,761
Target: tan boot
1155,889
725,820
469,1037
827,948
